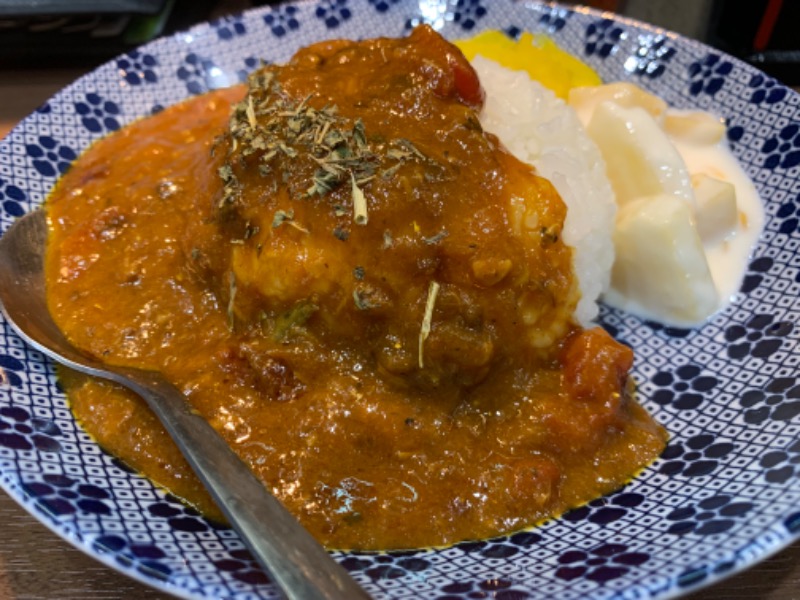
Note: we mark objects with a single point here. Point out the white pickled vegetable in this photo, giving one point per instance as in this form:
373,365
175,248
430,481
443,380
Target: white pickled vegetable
661,270
696,127
640,159
717,216
682,242
585,99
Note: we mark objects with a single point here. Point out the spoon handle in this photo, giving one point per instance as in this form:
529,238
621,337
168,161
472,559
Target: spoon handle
297,563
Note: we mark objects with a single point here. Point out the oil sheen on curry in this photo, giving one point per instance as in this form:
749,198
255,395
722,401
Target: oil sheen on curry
361,290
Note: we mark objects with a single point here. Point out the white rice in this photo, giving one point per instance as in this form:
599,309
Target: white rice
542,130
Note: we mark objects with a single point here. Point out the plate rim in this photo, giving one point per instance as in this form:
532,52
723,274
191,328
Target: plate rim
13,488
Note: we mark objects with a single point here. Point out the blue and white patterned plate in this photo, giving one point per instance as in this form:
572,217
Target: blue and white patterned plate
726,491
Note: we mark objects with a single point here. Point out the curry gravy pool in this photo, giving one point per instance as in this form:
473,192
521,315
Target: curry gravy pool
359,288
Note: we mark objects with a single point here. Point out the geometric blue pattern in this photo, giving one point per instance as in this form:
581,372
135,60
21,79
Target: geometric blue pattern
725,493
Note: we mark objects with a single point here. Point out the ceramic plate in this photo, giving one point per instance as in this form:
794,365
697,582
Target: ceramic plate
726,491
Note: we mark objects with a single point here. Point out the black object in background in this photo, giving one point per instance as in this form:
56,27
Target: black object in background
762,32
55,33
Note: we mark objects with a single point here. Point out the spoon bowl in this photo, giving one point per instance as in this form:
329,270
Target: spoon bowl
293,559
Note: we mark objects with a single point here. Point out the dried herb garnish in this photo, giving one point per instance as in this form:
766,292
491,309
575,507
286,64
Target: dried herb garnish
425,330
231,298
359,273
359,203
550,234
435,239
473,124
281,216
231,184
250,230
269,125
410,148
286,216
402,151
296,317
366,297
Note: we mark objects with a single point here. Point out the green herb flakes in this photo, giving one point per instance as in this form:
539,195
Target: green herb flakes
294,318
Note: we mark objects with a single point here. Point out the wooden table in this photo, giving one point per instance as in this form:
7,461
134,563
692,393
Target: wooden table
37,565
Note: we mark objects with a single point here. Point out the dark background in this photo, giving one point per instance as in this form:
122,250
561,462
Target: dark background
87,32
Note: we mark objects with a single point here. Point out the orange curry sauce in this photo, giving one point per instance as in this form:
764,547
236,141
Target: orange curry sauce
362,291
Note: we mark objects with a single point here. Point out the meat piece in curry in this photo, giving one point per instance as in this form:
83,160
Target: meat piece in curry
359,288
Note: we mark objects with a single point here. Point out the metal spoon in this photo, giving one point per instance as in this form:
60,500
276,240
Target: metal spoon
295,561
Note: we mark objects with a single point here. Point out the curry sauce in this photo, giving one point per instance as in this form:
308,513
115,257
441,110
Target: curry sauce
359,288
